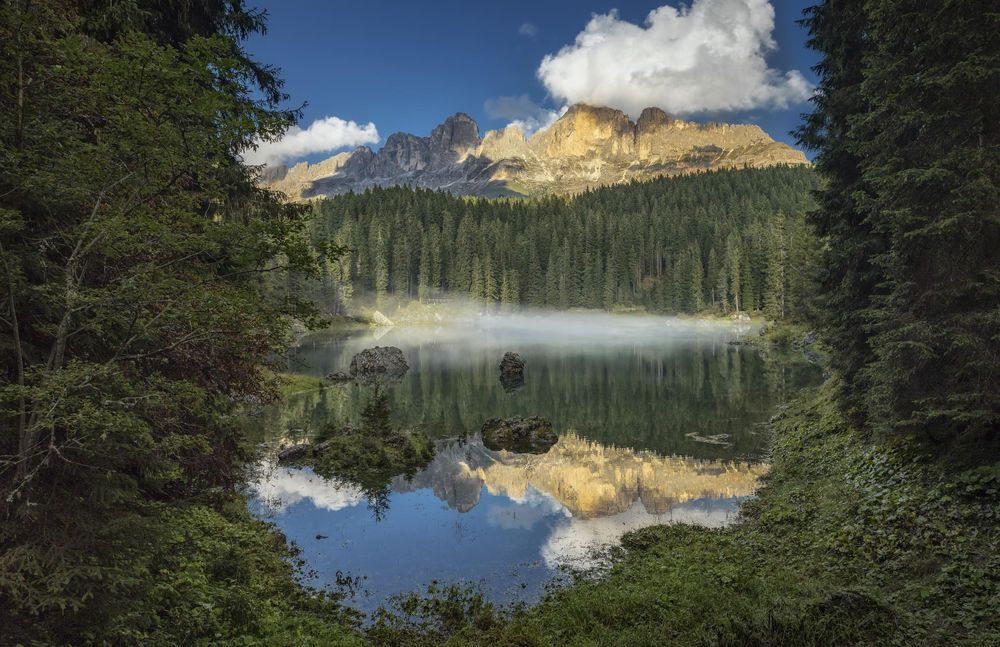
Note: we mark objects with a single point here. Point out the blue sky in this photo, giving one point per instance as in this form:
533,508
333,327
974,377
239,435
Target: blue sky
406,66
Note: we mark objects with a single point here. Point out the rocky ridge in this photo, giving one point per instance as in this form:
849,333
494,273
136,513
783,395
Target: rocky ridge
585,148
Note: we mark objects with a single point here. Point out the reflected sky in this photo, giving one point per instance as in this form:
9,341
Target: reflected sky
510,547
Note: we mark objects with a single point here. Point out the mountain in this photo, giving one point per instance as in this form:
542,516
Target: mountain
585,148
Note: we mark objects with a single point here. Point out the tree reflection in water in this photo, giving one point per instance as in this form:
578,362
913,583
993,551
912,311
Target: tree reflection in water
371,456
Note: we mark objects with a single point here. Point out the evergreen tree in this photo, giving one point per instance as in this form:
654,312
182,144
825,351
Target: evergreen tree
424,274
734,263
909,138
851,278
776,276
695,300
380,262
477,289
610,284
929,142
669,216
491,288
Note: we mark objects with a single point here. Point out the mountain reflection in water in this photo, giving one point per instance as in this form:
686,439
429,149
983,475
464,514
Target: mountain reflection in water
599,492
586,478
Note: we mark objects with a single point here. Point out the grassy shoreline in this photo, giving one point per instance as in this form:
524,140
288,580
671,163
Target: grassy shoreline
846,543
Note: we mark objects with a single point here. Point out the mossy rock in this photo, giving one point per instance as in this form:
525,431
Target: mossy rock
530,435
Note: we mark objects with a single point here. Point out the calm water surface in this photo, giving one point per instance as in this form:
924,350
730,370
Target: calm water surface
660,421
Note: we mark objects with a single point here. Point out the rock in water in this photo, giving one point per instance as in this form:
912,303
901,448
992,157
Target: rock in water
511,364
387,360
295,451
532,434
512,382
380,319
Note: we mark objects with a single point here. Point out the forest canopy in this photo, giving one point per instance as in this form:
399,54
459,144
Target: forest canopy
722,242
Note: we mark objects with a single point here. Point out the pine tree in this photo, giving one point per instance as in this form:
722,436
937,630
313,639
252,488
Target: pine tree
695,300
851,277
380,262
477,289
907,129
424,274
774,295
734,263
491,287
929,142
552,282
133,249
610,284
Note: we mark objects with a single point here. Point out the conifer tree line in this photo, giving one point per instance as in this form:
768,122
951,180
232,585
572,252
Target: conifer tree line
723,241
907,124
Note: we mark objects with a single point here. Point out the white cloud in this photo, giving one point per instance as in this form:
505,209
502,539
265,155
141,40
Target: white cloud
526,511
708,57
323,135
522,112
280,488
528,29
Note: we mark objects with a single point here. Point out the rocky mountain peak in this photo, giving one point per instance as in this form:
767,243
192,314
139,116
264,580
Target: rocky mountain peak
587,131
504,144
653,119
587,147
459,134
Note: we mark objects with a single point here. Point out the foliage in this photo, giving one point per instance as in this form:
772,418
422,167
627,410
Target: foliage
445,613
132,241
219,577
910,149
719,241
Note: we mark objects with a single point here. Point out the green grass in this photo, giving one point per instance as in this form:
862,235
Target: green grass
292,383
848,543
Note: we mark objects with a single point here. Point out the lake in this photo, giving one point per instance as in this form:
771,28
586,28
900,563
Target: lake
660,420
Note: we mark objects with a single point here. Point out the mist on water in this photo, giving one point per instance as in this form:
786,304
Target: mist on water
467,323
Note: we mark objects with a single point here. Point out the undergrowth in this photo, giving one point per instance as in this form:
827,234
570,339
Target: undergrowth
847,543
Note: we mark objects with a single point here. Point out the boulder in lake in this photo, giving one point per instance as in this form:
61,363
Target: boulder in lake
511,364
387,360
512,382
533,434
293,452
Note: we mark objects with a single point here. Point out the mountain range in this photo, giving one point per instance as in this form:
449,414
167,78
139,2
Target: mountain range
586,147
